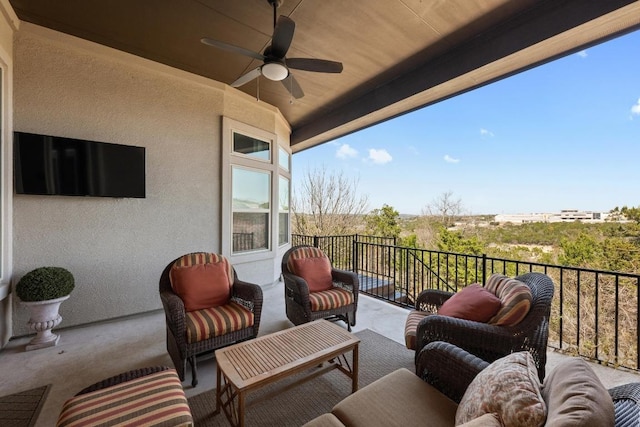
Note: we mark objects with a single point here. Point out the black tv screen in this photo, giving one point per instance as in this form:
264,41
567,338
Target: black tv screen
53,165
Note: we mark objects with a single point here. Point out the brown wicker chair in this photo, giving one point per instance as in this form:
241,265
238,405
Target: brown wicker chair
490,342
298,298
451,369
180,348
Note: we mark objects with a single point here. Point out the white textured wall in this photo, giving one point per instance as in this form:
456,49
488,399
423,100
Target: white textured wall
117,248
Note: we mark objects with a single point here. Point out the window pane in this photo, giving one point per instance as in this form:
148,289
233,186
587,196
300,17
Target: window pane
283,211
251,190
250,194
283,158
251,147
250,231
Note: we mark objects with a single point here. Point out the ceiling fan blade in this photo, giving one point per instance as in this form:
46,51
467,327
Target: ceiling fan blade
232,48
282,36
293,87
256,72
317,65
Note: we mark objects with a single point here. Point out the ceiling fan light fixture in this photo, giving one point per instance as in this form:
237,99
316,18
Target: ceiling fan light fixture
275,71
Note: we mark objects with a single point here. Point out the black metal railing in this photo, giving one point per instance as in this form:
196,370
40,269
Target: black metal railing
594,312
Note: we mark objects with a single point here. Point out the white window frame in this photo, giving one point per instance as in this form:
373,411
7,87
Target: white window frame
231,159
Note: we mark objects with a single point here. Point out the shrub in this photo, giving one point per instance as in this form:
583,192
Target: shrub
45,283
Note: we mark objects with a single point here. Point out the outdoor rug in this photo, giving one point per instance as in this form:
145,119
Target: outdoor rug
21,409
298,405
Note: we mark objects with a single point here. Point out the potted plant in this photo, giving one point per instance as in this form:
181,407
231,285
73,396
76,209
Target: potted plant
43,290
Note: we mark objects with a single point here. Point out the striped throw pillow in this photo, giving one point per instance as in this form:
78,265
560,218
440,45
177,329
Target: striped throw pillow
515,297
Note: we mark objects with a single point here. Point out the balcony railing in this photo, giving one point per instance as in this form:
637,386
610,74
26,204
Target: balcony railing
594,312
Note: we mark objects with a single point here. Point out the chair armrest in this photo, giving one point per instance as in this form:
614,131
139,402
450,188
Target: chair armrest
174,312
296,287
489,342
626,401
430,300
249,292
345,277
448,368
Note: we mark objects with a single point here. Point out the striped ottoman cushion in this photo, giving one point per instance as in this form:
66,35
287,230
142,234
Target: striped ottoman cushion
411,327
330,299
153,400
216,321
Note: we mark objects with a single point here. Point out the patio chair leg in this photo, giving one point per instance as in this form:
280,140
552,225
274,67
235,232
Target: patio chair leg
348,322
194,371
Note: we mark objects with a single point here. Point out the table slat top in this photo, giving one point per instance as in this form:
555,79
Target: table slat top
259,359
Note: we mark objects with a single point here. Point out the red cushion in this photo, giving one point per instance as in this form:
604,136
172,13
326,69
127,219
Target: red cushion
472,303
315,271
201,285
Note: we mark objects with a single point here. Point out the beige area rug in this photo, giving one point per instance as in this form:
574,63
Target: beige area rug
294,407
22,409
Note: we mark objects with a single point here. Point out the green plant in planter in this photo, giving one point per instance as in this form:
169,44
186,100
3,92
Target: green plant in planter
45,283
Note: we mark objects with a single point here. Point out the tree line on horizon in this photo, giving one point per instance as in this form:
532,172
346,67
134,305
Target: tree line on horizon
329,205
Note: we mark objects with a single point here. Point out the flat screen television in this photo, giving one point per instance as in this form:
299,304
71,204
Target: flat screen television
53,165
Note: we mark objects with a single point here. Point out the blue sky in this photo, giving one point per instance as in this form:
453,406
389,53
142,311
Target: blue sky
565,135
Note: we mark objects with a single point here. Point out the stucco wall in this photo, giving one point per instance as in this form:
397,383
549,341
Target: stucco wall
117,248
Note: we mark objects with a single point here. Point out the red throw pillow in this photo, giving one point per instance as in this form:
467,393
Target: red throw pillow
201,285
315,271
471,303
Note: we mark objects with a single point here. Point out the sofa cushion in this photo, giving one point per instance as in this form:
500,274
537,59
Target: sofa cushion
401,397
471,303
324,420
508,387
486,420
515,297
575,397
315,271
411,327
201,285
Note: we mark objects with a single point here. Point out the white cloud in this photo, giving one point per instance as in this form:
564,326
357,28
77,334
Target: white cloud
449,159
346,151
379,156
485,132
582,54
635,110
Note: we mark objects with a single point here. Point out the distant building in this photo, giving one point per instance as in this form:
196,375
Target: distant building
565,215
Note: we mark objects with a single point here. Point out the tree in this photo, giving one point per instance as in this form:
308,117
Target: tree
327,203
579,252
384,222
632,214
445,207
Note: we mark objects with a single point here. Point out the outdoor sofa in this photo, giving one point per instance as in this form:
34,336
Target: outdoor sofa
454,387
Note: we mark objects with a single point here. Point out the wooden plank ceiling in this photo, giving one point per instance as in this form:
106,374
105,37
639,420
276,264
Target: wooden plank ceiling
398,55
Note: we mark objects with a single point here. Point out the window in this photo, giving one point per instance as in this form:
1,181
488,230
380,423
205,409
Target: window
256,192
283,212
251,194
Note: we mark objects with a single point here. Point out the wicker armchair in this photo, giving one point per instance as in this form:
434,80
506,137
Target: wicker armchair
181,344
490,342
301,304
451,369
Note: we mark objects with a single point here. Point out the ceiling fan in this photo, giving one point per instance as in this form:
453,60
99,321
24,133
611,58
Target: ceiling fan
276,66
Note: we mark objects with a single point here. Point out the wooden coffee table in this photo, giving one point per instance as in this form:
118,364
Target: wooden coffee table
249,365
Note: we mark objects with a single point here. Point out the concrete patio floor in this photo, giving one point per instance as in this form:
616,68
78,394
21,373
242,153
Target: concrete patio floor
91,353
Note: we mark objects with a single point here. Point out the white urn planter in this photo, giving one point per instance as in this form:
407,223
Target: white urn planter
44,317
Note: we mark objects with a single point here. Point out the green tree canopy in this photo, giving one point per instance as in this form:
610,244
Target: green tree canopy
384,222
